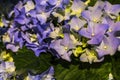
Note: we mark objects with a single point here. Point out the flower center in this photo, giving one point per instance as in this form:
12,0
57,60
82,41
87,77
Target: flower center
66,48
110,30
92,34
105,47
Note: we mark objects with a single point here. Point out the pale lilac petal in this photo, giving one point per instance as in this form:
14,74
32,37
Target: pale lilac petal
85,32
12,47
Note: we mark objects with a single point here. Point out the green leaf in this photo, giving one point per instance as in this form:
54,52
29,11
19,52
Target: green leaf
26,61
82,71
116,66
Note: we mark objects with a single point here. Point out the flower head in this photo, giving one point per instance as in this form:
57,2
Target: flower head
108,46
94,32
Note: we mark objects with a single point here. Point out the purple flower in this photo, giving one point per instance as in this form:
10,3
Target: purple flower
113,28
98,5
76,23
94,16
62,47
6,70
61,50
41,13
68,39
12,47
21,17
42,10
42,32
108,46
112,9
37,43
77,7
94,32
17,37
29,27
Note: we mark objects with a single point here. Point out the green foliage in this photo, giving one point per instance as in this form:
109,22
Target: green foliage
82,71
116,66
113,1
26,61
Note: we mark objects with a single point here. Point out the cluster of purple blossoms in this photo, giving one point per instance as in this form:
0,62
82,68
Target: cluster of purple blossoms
62,28
31,25
65,27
